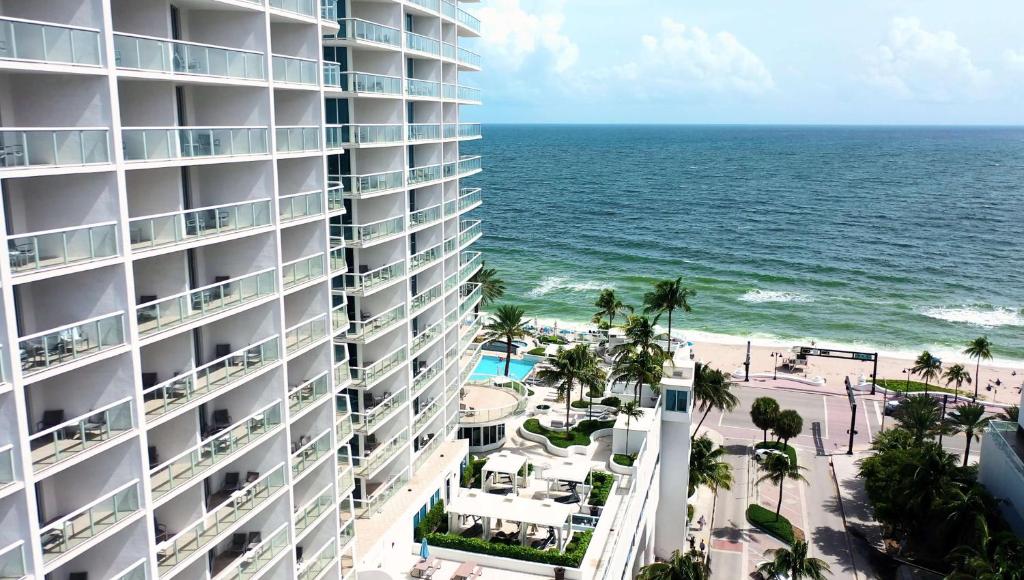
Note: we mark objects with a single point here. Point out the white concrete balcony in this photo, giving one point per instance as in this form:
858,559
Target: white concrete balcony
328,12
358,32
385,406
464,94
421,89
425,452
470,263
448,51
226,445
462,131
171,228
428,411
366,283
425,338
432,5
302,271
338,263
308,8
374,372
255,559
375,325
422,44
51,249
423,132
450,281
346,476
32,42
149,54
213,527
469,199
361,83
8,475
305,334
168,313
135,571
469,232
342,375
309,393
345,537
53,147
295,71
370,184
300,205
189,143
52,348
306,515
310,453
425,375
190,388
373,503
425,298
424,174
427,216
363,236
470,164
13,562
468,58
362,136
335,199
469,297
342,419
468,21
91,523
421,260
297,139
68,439
339,318
314,566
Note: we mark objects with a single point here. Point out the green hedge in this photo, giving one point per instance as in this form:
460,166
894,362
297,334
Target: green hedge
546,339
578,435
622,459
538,351
471,475
580,404
918,387
436,520
764,518
602,482
781,447
611,402
571,558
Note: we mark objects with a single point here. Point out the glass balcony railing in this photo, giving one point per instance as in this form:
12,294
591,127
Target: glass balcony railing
200,535
421,43
418,175
57,248
346,479
471,261
328,10
376,371
469,231
53,147
427,450
136,571
469,296
52,348
451,130
425,298
339,318
366,508
425,216
28,40
309,513
470,196
469,164
298,71
360,186
213,376
342,374
425,376
383,410
421,88
351,135
449,91
425,337
335,198
255,559
345,537
468,20
305,333
468,93
427,412
303,7
424,131
302,270
332,74
451,244
61,442
214,450
170,228
469,130
7,472
425,258
85,525
376,325
359,236
315,565
356,29
297,139
308,393
449,9
448,52
367,281
300,205
167,313
166,143
434,5
144,53
366,83
308,454
468,58
12,561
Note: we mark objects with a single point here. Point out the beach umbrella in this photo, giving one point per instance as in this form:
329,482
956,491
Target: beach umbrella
424,549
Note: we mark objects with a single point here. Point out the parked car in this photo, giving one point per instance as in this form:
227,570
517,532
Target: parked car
761,454
891,406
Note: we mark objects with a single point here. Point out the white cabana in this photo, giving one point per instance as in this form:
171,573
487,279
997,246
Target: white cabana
503,463
572,472
491,508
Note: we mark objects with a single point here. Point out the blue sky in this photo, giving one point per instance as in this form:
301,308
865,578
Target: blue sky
751,61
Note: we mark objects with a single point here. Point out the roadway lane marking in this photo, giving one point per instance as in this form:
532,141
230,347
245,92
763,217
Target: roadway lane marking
867,423
824,403
878,413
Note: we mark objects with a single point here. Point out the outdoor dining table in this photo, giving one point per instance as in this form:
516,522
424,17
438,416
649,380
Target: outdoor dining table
467,571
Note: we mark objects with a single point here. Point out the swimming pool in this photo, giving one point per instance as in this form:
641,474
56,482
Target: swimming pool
492,365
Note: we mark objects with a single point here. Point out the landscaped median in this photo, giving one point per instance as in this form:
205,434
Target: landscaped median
778,526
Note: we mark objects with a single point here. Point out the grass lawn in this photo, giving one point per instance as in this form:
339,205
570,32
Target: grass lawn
900,385
578,435
622,459
765,520
781,447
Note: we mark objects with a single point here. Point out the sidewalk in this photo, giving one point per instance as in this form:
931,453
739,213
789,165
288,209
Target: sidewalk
704,506
864,534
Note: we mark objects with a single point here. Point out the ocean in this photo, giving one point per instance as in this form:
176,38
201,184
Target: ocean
896,239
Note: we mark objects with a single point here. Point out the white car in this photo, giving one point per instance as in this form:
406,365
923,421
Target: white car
776,576
761,454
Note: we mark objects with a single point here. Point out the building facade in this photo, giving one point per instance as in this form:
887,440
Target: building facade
238,286
1001,468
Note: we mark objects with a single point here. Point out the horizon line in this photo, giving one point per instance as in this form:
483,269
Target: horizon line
754,124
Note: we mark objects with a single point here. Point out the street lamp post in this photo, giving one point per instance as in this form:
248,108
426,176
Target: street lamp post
775,365
907,388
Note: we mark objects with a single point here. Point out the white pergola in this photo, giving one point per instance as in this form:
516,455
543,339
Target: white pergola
566,470
525,511
504,463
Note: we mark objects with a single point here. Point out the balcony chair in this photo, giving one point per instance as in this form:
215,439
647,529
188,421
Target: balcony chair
50,419
21,255
226,289
254,540
232,482
160,532
149,380
95,425
148,313
221,421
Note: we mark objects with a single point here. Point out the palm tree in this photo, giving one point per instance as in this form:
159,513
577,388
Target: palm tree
921,415
639,360
966,514
610,306
763,413
777,469
958,375
1011,414
979,348
631,410
679,567
928,367
569,367
794,563
707,467
492,288
998,557
667,296
507,323
970,420
711,391
590,375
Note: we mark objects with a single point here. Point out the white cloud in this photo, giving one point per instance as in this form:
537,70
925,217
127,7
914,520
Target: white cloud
1014,59
918,64
511,35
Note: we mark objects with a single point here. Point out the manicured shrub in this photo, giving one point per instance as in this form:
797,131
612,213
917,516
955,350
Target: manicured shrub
611,402
764,518
571,558
436,520
602,482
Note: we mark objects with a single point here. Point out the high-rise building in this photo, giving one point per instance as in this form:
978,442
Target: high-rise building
237,284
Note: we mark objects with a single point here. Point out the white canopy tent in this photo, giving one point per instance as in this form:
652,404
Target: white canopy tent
491,508
503,463
567,470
